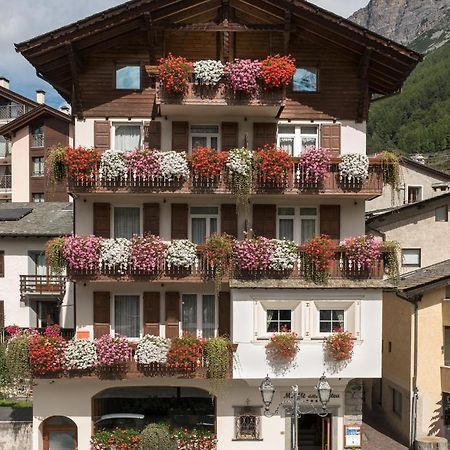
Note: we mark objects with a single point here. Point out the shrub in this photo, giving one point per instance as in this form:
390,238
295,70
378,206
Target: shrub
157,436
17,359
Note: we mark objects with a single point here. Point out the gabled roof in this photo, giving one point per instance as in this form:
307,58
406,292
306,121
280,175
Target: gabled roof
424,168
15,97
55,54
45,219
22,121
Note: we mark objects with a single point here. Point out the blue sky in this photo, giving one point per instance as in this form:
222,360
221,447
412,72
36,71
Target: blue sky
28,18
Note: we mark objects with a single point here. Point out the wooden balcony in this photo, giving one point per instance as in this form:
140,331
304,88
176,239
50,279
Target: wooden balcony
45,285
295,184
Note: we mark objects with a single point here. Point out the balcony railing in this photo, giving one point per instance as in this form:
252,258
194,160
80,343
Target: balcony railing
37,140
10,112
5,183
42,285
295,183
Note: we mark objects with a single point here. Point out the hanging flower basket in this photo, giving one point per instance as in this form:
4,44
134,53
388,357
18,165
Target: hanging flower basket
113,166
207,162
82,163
273,166
354,168
362,252
339,345
313,166
243,75
319,255
277,71
82,252
240,169
46,354
283,346
115,255
208,72
56,168
218,252
185,354
174,73
147,254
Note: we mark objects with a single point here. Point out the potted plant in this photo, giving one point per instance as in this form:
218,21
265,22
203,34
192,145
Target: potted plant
185,354
143,164
56,163
147,254
240,169
207,164
113,167
273,166
243,75
218,252
46,354
80,356
208,72
253,254
151,352
174,73
174,165
283,346
313,166
82,253
82,164
319,253
354,168
53,254
362,252
181,254
114,255
277,71
339,345
284,255
113,354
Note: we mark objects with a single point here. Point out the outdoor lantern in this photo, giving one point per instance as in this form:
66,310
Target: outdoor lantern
267,390
324,391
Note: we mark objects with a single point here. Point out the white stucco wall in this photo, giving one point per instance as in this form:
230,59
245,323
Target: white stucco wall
21,166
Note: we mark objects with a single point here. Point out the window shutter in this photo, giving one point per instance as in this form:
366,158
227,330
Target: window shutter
172,314
179,221
2,314
264,133
152,135
151,313
224,314
102,220
2,264
102,135
330,137
102,314
228,219
230,135
330,221
265,221
180,136
151,218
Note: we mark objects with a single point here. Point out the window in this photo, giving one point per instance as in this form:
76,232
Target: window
300,228
128,76
295,139
331,320
411,257
204,222
447,346
397,400
205,136
127,136
308,224
278,320
37,137
286,218
198,315
414,194
39,264
47,314
38,166
247,423
127,222
38,197
305,80
5,147
441,214
127,316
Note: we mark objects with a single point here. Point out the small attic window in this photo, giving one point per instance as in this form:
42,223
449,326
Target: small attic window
128,76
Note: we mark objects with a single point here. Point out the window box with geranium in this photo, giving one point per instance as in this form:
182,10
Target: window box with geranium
277,71
80,356
208,72
243,75
283,346
113,354
113,167
361,252
174,73
273,166
151,352
253,255
313,167
174,165
354,168
319,254
143,164
47,355
181,254
284,255
114,255
185,354
147,254
82,163
339,345
82,253
207,165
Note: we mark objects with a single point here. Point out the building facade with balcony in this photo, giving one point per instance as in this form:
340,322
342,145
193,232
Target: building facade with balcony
108,70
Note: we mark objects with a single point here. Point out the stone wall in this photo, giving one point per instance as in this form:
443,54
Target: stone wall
15,435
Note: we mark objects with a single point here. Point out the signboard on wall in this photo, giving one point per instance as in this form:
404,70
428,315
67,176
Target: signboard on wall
352,436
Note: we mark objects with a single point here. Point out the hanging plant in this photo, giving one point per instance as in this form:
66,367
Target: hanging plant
243,75
362,252
208,72
56,163
53,255
113,166
283,346
319,254
253,254
174,165
354,167
390,165
277,71
115,255
217,355
273,165
218,252
82,163
339,345
181,253
391,251
314,164
284,255
144,164
17,360
46,354
240,168
82,252
147,253
80,355
207,162
152,350
174,72
185,353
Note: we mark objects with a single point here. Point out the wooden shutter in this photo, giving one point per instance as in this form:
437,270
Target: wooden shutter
230,135
102,314
265,221
151,218
2,264
179,225
102,220
180,136
152,135
330,221
264,133
228,219
224,314
172,314
330,137
102,135
151,313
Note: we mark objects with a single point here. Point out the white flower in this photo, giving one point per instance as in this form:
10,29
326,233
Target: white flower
181,253
152,349
112,165
354,167
80,354
115,254
208,72
284,255
174,165
240,161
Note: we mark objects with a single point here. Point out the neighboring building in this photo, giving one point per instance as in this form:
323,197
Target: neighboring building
421,229
32,296
413,397
105,66
417,182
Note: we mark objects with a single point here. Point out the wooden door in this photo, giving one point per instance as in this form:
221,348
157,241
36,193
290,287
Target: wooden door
60,436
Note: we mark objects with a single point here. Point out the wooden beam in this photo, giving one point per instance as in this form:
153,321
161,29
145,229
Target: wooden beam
364,98
287,31
150,37
77,105
225,27
185,10
63,91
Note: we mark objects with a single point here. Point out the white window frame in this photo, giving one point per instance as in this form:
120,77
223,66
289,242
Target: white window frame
200,311
420,186
113,313
308,217
297,218
208,218
141,218
130,123
286,217
298,135
207,135
351,320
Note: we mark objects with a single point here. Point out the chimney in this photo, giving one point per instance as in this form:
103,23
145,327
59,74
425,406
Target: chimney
40,97
4,82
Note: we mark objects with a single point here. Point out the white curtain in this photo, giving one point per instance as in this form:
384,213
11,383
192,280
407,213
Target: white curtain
308,229
208,316
126,316
128,137
189,314
286,229
126,222
198,230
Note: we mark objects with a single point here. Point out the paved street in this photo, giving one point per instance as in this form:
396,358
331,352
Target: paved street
375,440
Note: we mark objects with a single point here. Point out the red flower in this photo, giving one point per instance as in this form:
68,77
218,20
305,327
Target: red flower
340,345
207,162
273,164
82,163
277,71
174,72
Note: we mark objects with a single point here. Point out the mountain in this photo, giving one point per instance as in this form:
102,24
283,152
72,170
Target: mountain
424,25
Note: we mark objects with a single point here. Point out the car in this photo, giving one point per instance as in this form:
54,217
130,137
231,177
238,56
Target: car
120,420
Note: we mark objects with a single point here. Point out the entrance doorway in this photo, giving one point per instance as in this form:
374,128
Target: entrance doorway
314,432
59,433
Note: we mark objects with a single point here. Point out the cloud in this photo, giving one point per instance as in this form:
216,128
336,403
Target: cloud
29,18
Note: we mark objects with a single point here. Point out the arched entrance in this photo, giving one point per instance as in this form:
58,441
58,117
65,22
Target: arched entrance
59,433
